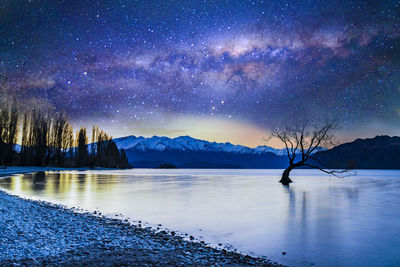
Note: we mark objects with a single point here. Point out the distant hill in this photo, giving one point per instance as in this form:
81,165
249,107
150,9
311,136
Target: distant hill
380,152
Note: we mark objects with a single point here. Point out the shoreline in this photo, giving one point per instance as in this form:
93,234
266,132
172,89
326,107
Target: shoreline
12,170
41,233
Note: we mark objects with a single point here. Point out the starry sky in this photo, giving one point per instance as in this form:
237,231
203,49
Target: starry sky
216,70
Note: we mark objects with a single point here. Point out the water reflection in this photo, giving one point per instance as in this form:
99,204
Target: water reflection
59,184
320,220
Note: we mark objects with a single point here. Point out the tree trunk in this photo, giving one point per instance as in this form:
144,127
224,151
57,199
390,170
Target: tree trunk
285,180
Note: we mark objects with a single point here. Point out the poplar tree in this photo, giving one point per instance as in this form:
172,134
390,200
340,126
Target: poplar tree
82,147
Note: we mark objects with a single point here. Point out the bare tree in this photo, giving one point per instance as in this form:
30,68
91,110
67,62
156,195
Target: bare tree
68,142
25,145
12,131
8,129
301,139
95,136
60,121
39,129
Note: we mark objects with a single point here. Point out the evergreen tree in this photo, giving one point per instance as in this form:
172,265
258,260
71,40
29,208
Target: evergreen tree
124,163
82,140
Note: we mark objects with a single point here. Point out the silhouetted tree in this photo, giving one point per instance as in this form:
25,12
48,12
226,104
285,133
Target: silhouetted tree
102,141
112,156
8,129
39,129
95,134
12,131
3,130
301,139
68,143
47,139
25,145
105,152
59,123
124,163
82,157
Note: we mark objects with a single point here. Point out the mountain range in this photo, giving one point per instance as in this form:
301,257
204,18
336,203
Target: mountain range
380,152
188,152
187,143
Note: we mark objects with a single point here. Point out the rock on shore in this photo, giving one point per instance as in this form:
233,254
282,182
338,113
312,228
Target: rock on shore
38,233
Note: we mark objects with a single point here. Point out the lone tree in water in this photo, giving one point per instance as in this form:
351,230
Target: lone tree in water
301,140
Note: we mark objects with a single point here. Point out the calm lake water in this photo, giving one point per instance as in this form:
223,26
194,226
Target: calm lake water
321,220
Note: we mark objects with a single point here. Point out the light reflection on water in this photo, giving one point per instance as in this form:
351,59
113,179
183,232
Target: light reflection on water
320,220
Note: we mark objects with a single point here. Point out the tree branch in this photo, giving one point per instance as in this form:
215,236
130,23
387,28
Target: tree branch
332,172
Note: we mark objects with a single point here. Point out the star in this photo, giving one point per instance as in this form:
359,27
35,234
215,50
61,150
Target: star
253,63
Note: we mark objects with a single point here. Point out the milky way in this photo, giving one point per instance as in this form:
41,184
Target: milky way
166,65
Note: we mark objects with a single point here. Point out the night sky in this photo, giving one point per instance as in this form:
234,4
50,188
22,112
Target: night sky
216,70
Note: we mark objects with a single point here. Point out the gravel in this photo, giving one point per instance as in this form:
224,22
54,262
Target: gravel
37,233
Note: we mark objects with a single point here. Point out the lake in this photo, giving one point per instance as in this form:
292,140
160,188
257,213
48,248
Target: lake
320,219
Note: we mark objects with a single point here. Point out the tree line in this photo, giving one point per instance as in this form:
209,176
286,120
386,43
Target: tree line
47,139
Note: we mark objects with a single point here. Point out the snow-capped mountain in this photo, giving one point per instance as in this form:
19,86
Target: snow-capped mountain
188,152
187,143
264,149
282,152
181,143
